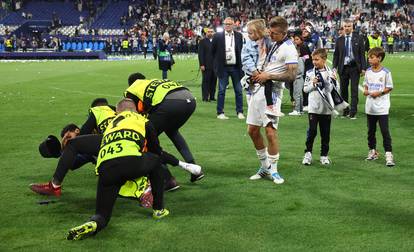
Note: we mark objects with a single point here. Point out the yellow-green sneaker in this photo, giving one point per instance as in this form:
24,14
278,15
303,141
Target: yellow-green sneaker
82,231
158,214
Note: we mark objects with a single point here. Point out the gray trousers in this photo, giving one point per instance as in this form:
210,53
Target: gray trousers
298,94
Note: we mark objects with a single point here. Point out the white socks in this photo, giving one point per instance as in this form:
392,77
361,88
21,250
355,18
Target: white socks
273,162
262,156
192,168
268,161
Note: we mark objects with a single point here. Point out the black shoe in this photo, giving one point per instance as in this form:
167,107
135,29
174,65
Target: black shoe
171,185
213,99
352,116
195,178
345,114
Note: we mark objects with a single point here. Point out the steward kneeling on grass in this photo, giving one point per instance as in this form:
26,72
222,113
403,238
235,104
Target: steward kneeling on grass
122,156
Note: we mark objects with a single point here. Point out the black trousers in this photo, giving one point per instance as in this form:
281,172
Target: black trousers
305,99
79,151
350,73
372,128
115,172
85,145
390,48
168,117
208,85
324,122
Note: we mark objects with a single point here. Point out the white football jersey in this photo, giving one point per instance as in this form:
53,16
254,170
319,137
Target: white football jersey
378,81
286,54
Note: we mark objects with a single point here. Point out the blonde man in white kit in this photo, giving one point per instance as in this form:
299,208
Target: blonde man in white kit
280,65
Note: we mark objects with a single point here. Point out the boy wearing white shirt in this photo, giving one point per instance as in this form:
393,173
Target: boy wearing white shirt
377,86
318,110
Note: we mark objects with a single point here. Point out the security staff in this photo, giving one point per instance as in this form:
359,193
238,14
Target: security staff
100,114
390,43
373,40
79,150
168,105
79,146
123,156
125,46
82,150
9,45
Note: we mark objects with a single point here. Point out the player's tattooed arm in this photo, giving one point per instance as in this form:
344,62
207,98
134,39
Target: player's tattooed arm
288,76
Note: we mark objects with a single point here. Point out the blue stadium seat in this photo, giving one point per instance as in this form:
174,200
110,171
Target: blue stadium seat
90,45
84,45
101,46
1,47
95,46
79,46
68,45
73,45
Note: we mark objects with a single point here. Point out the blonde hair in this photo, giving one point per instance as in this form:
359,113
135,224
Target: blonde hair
258,26
165,36
321,52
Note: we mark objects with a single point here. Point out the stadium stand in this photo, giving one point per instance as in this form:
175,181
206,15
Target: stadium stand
46,10
111,16
102,24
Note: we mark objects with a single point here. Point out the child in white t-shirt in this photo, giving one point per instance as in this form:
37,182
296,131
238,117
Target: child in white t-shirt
319,113
377,86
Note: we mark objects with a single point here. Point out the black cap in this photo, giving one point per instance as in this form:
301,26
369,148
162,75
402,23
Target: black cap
50,147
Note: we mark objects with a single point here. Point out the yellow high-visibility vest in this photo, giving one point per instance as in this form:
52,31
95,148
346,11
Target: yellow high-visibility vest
374,42
390,40
152,92
103,116
124,136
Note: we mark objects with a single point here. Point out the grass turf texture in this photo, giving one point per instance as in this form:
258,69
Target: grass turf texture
350,205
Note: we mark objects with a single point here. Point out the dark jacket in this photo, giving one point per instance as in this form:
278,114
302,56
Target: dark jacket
205,58
164,63
306,54
218,49
358,49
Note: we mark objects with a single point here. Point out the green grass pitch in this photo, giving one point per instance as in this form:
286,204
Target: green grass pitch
351,205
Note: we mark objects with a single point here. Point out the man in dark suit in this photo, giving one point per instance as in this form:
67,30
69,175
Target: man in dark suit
205,58
349,60
226,50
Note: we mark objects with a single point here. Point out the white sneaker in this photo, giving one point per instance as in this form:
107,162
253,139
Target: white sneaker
372,154
261,173
305,108
240,116
276,178
325,160
191,168
272,112
222,116
307,159
295,113
389,159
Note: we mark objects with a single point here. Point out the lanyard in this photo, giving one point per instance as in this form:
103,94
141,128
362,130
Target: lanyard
231,38
272,50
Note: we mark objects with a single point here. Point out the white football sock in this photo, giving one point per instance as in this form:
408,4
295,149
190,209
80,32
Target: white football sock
262,156
273,162
192,168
